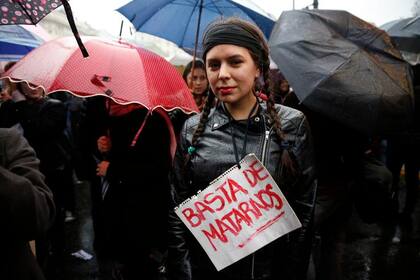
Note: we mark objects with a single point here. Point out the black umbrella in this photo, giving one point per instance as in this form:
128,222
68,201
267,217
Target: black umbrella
344,68
405,33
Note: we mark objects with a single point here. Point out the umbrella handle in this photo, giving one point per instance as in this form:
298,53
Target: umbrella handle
133,143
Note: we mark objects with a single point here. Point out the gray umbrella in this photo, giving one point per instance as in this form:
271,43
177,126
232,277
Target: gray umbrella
344,68
405,34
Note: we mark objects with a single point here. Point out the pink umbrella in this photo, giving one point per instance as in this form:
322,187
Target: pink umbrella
123,72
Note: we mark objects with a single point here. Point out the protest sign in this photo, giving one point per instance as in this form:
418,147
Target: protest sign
238,213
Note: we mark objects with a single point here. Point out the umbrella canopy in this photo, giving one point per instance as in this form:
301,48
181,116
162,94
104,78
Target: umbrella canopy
180,21
406,35
16,41
125,73
32,11
344,68
26,11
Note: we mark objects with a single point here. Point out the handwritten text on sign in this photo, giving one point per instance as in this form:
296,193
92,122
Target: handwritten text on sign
240,212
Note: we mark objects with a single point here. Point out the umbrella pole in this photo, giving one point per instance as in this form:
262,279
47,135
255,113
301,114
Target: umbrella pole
197,32
70,18
121,28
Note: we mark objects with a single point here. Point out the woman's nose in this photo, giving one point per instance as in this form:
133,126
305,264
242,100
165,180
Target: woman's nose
224,71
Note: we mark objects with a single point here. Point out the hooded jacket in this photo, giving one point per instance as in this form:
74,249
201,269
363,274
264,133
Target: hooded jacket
287,256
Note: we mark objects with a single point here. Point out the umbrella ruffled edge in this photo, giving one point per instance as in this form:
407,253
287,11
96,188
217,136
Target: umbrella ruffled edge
33,87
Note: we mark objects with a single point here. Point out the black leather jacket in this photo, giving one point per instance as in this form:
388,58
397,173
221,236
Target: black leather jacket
288,256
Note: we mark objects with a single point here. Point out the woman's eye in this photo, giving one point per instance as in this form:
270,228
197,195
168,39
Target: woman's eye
213,65
235,62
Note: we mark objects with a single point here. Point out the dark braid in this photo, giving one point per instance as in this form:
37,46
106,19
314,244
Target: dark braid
286,159
203,119
202,124
272,113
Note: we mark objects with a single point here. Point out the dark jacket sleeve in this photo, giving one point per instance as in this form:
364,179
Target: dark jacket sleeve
26,203
179,266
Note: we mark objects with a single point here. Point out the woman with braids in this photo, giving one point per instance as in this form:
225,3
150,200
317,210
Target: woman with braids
236,57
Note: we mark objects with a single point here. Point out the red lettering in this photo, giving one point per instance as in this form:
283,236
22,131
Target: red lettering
244,207
213,234
223,227
255,204
255,173
260,196
215,198
251,181
218,234
225,193
200,207
229,219
239,218
190,215
234,187
274,195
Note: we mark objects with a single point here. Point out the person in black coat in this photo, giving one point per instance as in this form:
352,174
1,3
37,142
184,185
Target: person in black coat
43,121
26,206
135,204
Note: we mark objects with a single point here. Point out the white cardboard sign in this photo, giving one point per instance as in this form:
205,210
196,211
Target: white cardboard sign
238,213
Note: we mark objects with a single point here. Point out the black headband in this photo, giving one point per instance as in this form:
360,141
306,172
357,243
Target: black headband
227,33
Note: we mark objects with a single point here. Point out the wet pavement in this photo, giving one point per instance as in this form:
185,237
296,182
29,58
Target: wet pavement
79,236
372,252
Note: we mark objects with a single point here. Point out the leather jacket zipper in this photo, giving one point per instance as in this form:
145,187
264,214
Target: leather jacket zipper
263,155
264,150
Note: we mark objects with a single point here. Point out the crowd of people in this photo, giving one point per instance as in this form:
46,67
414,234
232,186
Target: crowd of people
322,167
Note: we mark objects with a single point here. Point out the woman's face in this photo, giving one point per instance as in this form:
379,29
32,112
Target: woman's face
284,86
7,90
197,81
232,73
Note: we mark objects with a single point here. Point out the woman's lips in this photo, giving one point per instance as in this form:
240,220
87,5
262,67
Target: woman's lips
226,90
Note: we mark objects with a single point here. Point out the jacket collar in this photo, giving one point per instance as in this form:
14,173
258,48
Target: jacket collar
219,117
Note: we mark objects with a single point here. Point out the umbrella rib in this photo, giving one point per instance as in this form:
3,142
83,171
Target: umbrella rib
151,15
25,11
185,31
386,73
217,8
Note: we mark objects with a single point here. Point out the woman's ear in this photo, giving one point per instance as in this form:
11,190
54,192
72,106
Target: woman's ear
257,73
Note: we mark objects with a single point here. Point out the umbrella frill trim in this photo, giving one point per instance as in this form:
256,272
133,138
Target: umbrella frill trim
13,80
16,81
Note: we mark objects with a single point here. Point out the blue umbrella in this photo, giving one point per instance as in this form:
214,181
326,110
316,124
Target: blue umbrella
183,21
16,41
